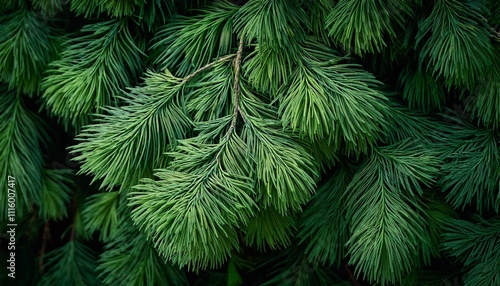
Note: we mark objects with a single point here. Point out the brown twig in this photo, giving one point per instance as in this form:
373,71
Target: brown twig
237,90
207,66
354,282
45,238
32,219
497,33
73,226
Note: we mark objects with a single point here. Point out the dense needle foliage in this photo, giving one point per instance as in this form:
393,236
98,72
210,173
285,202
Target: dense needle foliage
254,142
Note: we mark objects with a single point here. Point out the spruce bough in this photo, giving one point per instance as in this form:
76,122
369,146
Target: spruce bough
252,142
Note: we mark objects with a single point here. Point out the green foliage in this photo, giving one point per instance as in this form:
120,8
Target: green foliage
484,273
284,170
485,103
117,8
404,123
129,259
94,69
87,8
72,264
421,90
56,191
366,25
22,138
291,267
454,42
11,4
145,10
49,8
192,212
127,142
278,32
277,24
268,68
210,97
78,227
387,188
317,12
233,276
333,93
27,45
323,226
100,212
270,142
477,246
436,214
494,18
189,43
471,172
269,229
469,241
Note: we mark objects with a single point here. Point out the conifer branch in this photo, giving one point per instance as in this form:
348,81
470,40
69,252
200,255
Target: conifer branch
237,90
45,237
207,66
495,32
354,282
73,226
32,219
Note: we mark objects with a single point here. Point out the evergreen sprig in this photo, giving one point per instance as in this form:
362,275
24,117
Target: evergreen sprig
323,225
477,245
404,123
56,190
278,27
311,148
267,69
85,7
94,69
23,136
276,24
291,267
366,26
470,173
436,214
485,273
285,173
210,95
130,259
49,8
100,213
72,264
471,241
188,43
27,46
222,159
145,10
382,203
128,142
193,211
323,95
422,90
204,195
485,103
270,230
454,42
